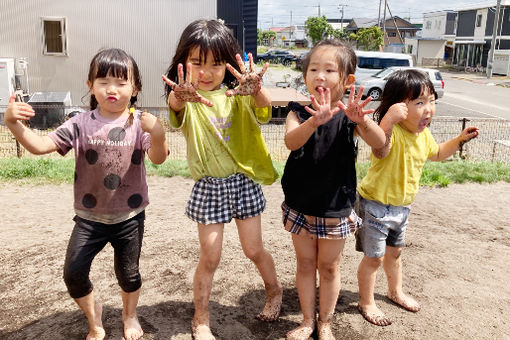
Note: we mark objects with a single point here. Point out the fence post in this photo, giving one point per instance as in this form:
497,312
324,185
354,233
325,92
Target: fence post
463,120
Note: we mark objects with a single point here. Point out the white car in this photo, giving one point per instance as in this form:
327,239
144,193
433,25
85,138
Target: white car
374,85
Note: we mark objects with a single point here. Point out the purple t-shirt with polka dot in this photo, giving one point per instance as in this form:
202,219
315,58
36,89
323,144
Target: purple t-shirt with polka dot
110,170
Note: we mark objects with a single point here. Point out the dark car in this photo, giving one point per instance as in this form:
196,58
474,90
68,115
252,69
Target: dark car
299,60
277,56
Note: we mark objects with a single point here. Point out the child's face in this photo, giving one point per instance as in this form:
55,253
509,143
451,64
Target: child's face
324,72
420,112
113,95
213,73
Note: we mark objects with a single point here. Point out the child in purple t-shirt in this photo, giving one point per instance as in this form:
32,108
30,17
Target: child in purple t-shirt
110,190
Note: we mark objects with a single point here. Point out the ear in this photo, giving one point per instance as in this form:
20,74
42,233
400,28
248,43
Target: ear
349,81
135,93
89,85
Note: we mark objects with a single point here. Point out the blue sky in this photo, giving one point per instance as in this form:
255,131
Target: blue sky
283,12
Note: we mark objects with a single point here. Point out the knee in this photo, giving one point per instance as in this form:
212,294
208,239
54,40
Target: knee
255,254
329,271
371,262
209,263
77,282
129,280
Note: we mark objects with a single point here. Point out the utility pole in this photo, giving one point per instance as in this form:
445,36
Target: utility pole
384,22
396,27
342,18
379,15
290,29
490,61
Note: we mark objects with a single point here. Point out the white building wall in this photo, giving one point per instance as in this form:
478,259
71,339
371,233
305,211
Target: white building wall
148,30
434,24
480,31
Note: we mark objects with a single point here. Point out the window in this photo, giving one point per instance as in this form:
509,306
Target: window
428,25
54,37
479,20
392,34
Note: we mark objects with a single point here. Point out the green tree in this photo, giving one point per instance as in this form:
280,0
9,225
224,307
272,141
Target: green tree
339,34
318,28
266,35
368,39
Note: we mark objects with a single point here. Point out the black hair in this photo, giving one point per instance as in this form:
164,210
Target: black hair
117,63
403,85
345,56
208,35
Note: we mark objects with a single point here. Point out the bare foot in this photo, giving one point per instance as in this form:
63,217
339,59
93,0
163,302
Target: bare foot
374,315
96,331
273,305
303,332
324,330
404,301
201,331
132,328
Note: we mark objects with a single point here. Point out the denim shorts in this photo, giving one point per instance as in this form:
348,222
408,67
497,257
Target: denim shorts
383,225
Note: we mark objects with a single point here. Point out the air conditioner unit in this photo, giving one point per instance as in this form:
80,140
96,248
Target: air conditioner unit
51,109
7,76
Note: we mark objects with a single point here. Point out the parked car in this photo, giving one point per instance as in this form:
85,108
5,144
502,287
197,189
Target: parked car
299,60
371,62
374,85
278,56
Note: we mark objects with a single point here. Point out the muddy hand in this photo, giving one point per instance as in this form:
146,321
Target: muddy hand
250,82
186,90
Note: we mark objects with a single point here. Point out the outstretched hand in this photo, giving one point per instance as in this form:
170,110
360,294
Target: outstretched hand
186,90
321,112
250,82
17,111
355,107
468,133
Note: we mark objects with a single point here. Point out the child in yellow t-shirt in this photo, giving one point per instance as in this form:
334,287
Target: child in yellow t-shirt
391,184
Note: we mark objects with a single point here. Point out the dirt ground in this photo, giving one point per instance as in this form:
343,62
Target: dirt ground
455,264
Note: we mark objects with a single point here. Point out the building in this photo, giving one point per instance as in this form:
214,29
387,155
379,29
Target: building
474,36
396,29
291,36
57,39
434,46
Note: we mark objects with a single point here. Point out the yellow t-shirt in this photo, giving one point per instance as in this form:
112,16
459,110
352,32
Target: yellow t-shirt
395,179
225,139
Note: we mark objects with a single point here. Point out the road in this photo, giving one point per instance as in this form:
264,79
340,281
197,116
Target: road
471,98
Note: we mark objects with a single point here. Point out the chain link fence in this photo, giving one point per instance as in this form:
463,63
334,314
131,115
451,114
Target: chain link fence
492,145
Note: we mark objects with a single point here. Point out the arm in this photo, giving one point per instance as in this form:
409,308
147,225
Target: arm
298,133
15,113
449,147
159,148
396,113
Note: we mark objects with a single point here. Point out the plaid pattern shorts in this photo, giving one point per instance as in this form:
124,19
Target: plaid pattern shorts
319,227
218,200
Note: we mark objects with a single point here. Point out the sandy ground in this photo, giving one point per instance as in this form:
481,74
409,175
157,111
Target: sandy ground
455,264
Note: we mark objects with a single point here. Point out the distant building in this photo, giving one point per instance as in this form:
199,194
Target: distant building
434,46
474,36
291,36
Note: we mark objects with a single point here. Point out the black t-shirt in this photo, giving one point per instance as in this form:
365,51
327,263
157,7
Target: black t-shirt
320,178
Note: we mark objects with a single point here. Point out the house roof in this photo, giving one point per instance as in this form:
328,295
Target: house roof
402,24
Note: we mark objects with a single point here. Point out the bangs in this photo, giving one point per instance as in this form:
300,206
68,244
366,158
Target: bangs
113,65
218,47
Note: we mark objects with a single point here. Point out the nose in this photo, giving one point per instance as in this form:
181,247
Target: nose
111,88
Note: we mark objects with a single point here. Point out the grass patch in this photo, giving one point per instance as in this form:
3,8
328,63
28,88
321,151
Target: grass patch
61,170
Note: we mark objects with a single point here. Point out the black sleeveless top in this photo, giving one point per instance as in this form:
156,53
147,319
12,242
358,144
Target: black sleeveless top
320,178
